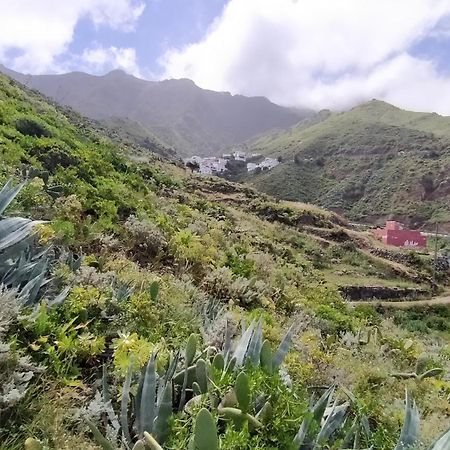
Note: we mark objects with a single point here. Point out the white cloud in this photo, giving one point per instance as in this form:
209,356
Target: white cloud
320,53
101,59
34,33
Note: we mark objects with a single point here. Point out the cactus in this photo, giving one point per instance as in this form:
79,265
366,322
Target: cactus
205,431
202,376
420,373
266,357
189,355
219,362
242,390
154,291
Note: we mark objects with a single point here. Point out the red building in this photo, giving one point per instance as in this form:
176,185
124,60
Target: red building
395,234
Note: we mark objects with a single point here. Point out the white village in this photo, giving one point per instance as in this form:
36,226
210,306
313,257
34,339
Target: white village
214,165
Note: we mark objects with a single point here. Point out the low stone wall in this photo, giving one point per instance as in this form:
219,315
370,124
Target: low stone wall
364,293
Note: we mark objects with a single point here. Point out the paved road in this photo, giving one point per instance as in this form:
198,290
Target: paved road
445,300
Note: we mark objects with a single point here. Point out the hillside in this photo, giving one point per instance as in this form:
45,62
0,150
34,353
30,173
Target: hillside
372,162
119,310
180,114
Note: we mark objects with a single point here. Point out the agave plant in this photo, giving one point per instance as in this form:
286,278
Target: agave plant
187,381
23,265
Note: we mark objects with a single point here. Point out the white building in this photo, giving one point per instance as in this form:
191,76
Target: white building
269,163
240,156
251,167
213,165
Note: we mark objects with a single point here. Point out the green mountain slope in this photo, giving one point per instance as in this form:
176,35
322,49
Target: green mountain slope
182,116
371,162
146,256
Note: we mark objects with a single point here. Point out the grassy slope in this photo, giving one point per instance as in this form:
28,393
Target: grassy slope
371,162
199,238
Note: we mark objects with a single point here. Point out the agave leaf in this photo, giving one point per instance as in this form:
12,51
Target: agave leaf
98,436
124,406
161,426
18,235
148,405
283,348
8,193
443,443
409,435
59,299
227,343
254,347
106,398
241,348
12,224
334,421
316,414
30,291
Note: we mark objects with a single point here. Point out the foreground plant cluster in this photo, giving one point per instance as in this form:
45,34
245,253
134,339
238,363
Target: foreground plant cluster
139,311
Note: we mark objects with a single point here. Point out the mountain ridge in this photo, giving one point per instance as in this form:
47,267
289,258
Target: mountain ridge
179,113
372,162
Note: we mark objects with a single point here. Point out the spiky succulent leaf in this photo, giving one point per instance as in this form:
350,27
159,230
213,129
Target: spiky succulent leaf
148,397
161,426
8,193
409,435
316,413
240,352
254,347
334,421
443,443
283,348
124,406
265,413
98,436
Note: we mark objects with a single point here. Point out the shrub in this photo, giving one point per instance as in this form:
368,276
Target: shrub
146,241
32,127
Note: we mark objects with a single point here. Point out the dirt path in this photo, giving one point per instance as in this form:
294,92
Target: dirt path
445,300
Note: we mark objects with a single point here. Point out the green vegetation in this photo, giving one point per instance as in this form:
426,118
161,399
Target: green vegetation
141,304
370,162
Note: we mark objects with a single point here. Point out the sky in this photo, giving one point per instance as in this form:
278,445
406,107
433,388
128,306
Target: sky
306,53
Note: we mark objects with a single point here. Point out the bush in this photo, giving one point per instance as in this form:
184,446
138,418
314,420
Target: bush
32,127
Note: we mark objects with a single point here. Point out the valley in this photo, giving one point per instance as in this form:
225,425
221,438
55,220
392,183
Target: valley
137,295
